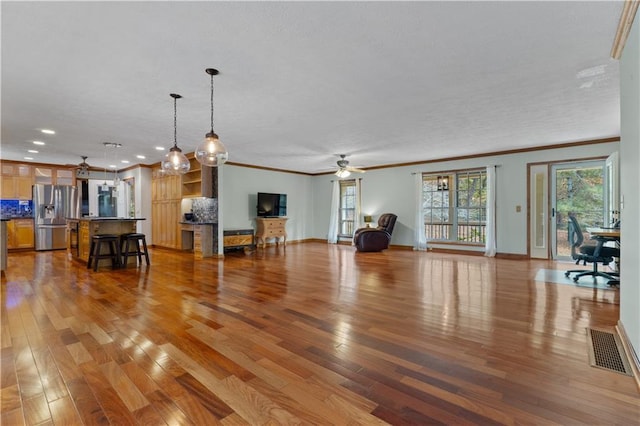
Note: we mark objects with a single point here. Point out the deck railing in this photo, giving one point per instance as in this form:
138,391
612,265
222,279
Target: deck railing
470,233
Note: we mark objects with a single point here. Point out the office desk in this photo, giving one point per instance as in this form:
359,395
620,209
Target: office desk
603,235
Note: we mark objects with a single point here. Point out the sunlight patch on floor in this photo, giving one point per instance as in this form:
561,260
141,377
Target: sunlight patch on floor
557,276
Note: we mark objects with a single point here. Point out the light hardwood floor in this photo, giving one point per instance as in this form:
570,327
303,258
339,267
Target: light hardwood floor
313,334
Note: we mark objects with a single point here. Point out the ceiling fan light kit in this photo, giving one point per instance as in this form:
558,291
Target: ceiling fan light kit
175,161
343,168
211,152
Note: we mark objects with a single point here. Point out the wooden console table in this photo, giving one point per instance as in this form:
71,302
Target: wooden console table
271,227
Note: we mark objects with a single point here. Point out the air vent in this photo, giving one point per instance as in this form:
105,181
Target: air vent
605,351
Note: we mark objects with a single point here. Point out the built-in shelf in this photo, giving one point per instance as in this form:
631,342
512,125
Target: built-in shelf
192,180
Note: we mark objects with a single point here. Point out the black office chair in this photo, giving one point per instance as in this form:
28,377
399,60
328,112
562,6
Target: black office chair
587,253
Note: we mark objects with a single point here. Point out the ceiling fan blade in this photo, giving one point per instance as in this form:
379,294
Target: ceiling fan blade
355,169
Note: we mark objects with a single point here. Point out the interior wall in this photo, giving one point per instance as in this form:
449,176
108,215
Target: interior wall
241,185
629,184
142,176
390,190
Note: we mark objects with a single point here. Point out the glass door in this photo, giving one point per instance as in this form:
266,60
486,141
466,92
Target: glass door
577,188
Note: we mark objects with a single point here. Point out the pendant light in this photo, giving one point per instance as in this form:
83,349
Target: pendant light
211,152
175,162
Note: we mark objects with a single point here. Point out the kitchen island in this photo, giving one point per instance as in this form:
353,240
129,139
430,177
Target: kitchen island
80,231
3,241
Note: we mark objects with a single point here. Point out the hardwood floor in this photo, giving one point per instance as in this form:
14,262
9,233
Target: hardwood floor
313,333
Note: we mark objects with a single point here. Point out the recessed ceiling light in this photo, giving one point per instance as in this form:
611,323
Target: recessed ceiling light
160,148
28,158
113,166
38,143
141,157
48,131
125,161
32,151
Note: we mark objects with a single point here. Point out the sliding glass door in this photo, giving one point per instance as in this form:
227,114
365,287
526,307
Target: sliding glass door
576,188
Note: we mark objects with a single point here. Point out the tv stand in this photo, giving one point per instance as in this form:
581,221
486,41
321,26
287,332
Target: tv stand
271,227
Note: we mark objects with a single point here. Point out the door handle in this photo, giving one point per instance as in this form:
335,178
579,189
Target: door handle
553,212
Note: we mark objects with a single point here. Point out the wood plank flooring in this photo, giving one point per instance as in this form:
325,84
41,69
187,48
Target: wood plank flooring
310,334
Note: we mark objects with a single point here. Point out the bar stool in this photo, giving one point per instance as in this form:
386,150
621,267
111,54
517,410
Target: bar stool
128,239
95,255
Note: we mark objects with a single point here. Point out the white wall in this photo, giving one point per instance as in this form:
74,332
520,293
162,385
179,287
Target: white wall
391,191
142,176
240,186
629,186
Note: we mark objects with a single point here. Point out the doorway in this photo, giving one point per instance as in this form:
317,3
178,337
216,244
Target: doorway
576,188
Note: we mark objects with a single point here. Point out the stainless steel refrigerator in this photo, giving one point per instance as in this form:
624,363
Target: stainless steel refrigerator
52,205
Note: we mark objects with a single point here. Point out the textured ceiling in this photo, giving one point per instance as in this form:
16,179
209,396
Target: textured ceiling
385,82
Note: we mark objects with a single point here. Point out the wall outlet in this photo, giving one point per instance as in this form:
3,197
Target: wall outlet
518,209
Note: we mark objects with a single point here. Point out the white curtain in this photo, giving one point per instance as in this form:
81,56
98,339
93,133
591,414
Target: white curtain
490,248
332,236
358,212
419,238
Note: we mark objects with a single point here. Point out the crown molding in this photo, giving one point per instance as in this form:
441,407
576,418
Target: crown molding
629,10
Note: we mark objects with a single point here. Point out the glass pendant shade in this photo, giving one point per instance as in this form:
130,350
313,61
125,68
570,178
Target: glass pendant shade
175,162
211,152
343,173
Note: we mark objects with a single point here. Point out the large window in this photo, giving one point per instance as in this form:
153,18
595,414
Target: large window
455,206
348,200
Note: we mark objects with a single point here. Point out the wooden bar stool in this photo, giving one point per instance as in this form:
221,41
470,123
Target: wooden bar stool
95,255
130,246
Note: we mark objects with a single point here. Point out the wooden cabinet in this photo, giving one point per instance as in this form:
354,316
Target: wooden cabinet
84,240
271,228
53,175
20,234
237,238
17,180
88,227
166,195
64,177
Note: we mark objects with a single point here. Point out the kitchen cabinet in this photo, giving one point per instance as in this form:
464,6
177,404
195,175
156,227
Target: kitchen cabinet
166,196
53,176
20,234
165,216
17,180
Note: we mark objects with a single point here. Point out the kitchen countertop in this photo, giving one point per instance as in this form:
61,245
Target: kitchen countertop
100,219
193,222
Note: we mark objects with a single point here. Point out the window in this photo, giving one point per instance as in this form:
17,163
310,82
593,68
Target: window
455,206
347,208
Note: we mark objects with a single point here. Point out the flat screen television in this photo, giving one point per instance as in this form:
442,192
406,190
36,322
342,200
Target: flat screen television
272,205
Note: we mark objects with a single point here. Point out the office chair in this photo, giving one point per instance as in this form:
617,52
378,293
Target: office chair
586,253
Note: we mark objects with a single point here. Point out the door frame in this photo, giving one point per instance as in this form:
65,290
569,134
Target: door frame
546,251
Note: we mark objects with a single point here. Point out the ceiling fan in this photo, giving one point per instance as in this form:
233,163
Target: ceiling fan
82,169
343,168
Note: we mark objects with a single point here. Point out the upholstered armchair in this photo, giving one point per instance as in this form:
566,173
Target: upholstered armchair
376,239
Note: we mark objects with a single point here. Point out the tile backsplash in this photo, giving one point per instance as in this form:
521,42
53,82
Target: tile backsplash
205,209
16,208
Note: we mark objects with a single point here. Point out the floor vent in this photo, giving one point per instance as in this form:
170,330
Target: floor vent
605,351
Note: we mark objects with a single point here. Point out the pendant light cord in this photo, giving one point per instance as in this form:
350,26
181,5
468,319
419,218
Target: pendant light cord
175,122
211,103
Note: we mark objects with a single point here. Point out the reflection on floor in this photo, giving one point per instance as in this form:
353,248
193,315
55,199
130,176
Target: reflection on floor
557,276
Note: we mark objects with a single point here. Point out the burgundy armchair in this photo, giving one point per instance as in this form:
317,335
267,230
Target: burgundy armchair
376,239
